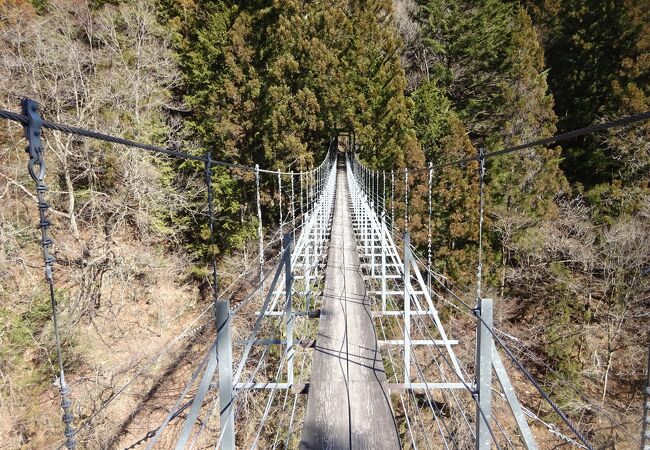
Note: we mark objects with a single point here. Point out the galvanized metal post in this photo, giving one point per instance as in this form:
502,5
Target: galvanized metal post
366,216
280,205
373,241
383,264
429,250
406,199
645,434
312,236
302,209
307,271
355,196
362,215
292,204
407,308
314,233
323,218
484,374
383,196
392,199
224,359
288,311
377,192
375,236
359,193
260,230
312,177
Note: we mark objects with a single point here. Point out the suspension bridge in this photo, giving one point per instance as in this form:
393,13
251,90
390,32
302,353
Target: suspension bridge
348,338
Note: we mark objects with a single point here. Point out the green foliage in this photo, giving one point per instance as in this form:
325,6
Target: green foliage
468,42
28,343
487,76
562,340
454,224
597,55
270,82
614,201
21,327
431,112
39,5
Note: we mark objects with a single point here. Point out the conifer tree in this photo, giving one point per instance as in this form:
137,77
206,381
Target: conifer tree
454,221
523,186
488,66
376,106
269,82
467,47
597,54
201,34
454,218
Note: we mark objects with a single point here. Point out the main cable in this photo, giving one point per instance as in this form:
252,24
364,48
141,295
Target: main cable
595,128
168,151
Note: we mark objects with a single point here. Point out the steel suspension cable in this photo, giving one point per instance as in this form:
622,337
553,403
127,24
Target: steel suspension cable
177,338
415,402
595,128
175,408
526,373
390,358
270,400
24,120
479,409
158,355
467,387
258,366
360,187
381,322
426,391
471,311
208,162
168,151
37,171
213,243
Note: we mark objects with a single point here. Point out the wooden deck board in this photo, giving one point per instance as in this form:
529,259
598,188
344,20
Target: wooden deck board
348,405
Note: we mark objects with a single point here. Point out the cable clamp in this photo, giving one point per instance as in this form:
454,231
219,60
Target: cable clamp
36,164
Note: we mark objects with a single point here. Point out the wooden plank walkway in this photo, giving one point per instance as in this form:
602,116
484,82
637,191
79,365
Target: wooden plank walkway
348,406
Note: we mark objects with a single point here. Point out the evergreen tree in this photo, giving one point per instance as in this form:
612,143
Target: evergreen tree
487,70
454,219
467,45
597,54
269,82
201,33
523,186
376,106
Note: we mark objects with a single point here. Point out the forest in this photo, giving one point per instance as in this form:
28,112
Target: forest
566,237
